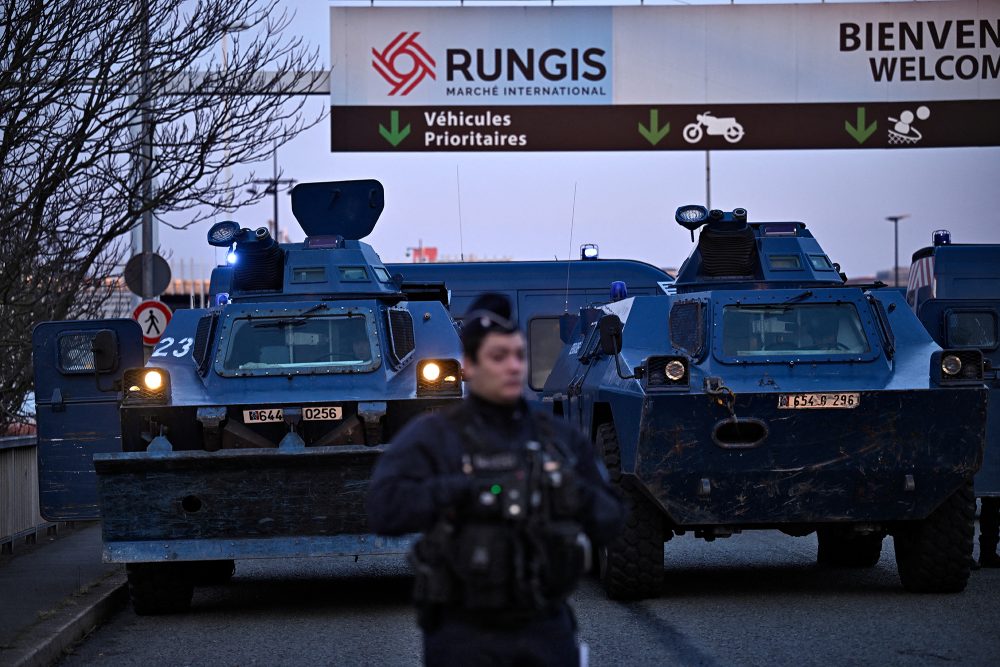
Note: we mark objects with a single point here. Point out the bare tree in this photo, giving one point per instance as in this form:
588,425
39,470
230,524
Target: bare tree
112,108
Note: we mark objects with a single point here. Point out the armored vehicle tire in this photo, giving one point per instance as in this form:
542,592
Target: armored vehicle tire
213,572
935,555
631,566
159,588
839,546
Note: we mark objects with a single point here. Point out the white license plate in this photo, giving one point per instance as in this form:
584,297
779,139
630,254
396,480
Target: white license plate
310,414
322,413
807,401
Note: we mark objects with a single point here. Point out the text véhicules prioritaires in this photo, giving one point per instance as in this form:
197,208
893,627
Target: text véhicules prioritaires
479,129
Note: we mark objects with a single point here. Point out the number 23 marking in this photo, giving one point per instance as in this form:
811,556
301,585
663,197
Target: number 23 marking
184,344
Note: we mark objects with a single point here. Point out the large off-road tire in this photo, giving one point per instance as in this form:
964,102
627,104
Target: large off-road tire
631,566
839,546
159,588
935,555
212,572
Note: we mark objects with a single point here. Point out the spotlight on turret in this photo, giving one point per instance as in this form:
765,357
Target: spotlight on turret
589,251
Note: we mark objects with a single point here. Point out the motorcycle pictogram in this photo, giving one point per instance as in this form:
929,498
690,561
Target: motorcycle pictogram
726,127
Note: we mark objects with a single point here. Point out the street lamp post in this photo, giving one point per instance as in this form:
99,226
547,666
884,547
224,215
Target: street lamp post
894,219
271,187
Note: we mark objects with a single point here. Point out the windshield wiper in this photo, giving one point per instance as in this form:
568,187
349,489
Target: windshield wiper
798,297
290,321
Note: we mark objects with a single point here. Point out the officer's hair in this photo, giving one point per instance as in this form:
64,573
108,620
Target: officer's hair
472,343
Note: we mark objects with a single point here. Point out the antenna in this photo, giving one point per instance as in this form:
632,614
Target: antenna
569,254
461,239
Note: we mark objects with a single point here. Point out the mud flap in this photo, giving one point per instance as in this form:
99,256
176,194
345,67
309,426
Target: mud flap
240,503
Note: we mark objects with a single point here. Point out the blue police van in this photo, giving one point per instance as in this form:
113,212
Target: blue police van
955,291
541,294
252,428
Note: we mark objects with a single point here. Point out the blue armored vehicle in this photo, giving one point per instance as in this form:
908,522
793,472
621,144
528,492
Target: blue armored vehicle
955,291
767,393
252,428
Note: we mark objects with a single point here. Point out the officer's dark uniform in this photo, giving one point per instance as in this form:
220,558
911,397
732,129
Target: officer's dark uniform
502,494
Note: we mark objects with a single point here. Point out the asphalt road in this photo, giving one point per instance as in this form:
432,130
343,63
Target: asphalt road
752,599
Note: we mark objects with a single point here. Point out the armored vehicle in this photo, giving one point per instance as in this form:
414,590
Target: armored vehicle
767,393
955,291
253,427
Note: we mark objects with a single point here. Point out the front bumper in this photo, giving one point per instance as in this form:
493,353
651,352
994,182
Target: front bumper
897,456
253,503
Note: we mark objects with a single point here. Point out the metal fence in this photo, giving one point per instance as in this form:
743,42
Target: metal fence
19,516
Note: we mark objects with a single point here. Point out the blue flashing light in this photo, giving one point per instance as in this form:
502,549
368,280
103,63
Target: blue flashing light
619,290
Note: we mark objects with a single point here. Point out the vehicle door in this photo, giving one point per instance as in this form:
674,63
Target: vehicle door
78,368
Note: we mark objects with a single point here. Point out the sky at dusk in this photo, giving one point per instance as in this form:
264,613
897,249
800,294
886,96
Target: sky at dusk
522,205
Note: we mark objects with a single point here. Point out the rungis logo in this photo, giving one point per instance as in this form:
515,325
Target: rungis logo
403,63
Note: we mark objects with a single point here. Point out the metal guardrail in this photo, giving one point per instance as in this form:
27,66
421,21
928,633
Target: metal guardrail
19,512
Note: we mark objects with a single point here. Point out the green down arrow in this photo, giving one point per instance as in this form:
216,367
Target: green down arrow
396,135
859,131
654,133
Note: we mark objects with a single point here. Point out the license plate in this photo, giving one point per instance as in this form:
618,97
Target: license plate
322,413
807,401
310,414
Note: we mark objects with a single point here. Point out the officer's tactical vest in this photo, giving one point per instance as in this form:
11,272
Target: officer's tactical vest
517,544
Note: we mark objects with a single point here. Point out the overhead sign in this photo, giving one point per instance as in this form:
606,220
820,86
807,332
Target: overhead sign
665,78
153,317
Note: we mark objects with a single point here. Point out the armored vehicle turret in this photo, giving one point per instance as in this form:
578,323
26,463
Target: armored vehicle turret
252,429
767,393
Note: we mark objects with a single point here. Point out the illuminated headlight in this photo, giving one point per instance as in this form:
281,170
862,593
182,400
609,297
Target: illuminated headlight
667,372
951,365
146,385
439,377
153,380
430,372
691,214
589,251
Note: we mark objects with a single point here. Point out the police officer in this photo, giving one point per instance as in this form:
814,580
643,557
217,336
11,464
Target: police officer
506,499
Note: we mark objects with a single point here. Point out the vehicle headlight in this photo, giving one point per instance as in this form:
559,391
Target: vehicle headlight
675,370
958,366
146,385
667,372
431,371
951,365
439,377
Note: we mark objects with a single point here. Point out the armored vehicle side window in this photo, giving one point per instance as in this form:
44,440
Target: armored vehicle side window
353,274
544,346
821,263
800,329
292,343
972,329
382,274
784,262
309,274
75,352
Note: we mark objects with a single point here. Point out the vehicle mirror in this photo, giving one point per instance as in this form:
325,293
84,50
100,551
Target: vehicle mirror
105,348
611,334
